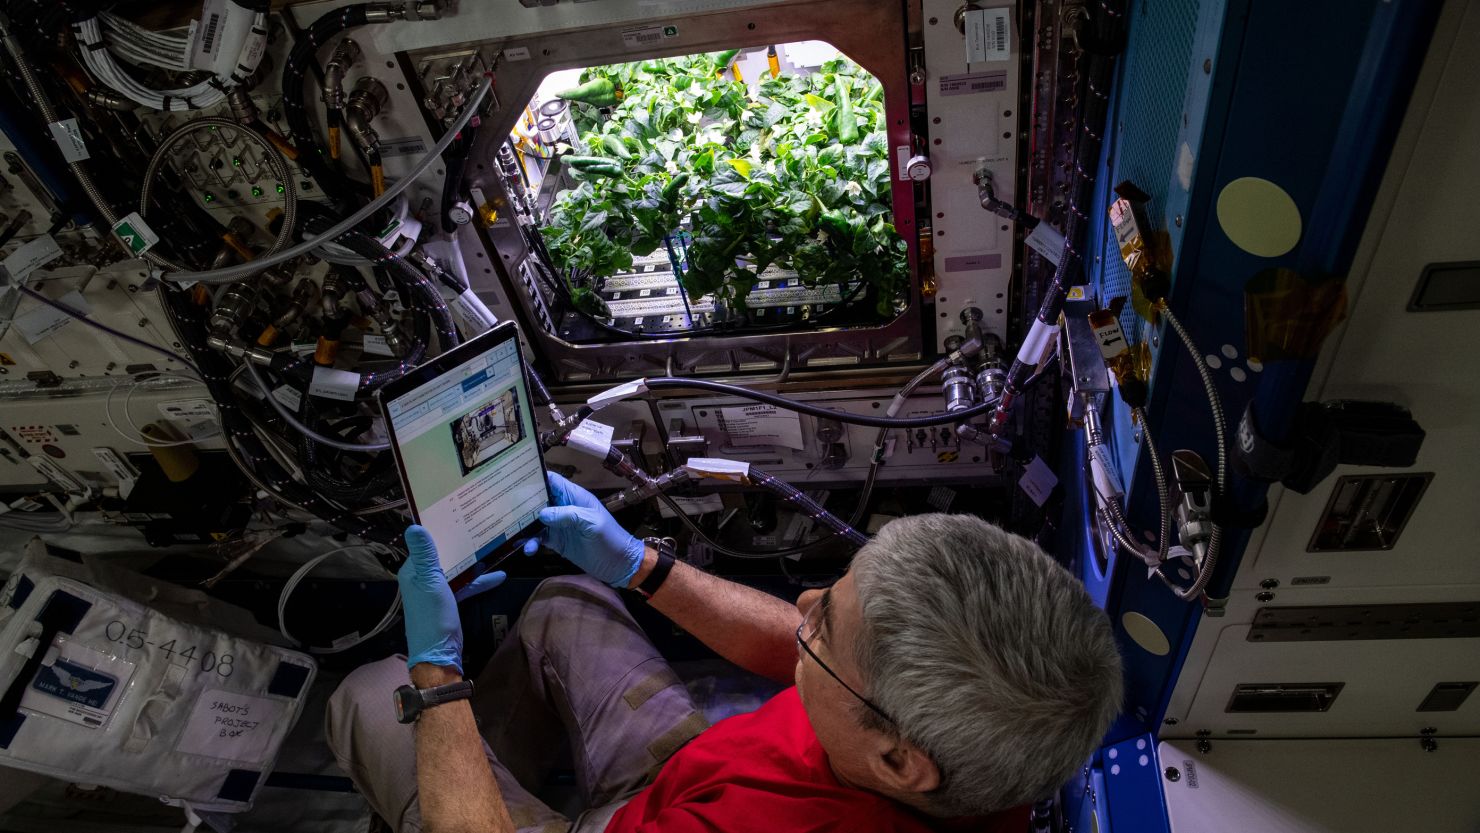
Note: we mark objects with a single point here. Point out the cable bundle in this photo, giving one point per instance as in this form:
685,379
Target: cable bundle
242,38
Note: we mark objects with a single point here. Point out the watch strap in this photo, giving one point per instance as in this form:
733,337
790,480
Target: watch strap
666,548
437,695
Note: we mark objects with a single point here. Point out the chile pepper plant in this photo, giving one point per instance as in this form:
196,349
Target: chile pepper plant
794,174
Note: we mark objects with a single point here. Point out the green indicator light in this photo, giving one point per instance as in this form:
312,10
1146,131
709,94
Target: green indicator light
236,161
256,191
209,197
280,188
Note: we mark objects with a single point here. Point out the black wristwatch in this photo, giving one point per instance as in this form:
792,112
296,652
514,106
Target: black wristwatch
666,547
412,701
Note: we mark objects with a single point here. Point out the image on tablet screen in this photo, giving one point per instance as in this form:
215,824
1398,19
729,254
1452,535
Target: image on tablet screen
467,440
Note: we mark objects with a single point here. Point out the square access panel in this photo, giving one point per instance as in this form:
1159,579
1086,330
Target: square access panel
1368,511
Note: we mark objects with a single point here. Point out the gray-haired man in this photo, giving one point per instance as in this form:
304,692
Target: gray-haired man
954,675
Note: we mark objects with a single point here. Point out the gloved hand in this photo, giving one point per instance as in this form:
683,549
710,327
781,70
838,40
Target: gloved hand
433,631
579,528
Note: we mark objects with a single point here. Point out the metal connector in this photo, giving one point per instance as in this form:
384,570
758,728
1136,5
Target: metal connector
409,10
344,56
365,103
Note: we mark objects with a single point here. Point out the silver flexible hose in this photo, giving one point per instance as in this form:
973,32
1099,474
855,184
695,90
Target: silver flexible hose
1220,429
234,273
274,158
1163,490
1110,505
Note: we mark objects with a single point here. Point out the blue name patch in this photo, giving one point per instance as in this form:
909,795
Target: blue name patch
75,684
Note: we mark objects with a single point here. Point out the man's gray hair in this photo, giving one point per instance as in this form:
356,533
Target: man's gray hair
990,656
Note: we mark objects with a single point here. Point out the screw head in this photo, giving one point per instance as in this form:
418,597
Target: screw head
143,322
1265,596
1173,774
72,365
1170,721
1270,583
1204,746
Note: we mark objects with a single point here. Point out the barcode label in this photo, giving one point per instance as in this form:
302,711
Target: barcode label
648,35
207,40
988,35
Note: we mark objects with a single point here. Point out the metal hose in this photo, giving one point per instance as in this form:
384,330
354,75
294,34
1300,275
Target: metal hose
269,151
1220,430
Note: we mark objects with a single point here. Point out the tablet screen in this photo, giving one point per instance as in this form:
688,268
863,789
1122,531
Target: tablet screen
470,457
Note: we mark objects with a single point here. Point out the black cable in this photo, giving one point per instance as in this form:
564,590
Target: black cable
13,229
951,418
753,555
312,153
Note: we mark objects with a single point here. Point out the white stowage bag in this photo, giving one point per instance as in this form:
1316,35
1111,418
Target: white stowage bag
98,689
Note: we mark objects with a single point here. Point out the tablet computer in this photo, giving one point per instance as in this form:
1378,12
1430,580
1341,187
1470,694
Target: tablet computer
463,436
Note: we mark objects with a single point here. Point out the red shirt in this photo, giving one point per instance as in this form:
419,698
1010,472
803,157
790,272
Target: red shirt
766,772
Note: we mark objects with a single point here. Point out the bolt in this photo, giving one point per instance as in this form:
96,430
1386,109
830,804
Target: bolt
1264,596
72,365
1170,721
1204,746
112,365
1173,774
1270,583
1429,745
1207,65
143,322
1178,220
1427,730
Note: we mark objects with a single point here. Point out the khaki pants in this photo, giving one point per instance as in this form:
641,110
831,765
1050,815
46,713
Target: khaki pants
577,668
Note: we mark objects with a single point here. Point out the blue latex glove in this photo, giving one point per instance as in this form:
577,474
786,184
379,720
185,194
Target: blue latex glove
579,528
433,630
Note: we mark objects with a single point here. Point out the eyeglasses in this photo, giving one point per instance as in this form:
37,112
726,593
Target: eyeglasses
805,635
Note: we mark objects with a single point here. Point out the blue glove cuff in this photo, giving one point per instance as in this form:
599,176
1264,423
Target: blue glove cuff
633,551
444,657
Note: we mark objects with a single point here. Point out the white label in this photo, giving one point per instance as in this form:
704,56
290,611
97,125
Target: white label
516,53
715,467
207,40
374,345
77,684
751,425
288,397
617,394
136,234
591,437
334,384
68,137
31,256
693,505
408,146
1038,481
125,474
471,314
42,321
902,160
1047,241
1111,339
188,410
231,726
57,474
648,35
988,35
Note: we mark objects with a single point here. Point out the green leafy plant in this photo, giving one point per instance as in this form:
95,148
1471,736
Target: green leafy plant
795,174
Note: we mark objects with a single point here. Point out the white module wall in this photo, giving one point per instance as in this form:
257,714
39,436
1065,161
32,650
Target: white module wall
973,118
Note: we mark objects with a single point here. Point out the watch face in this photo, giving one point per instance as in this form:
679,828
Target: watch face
408,704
